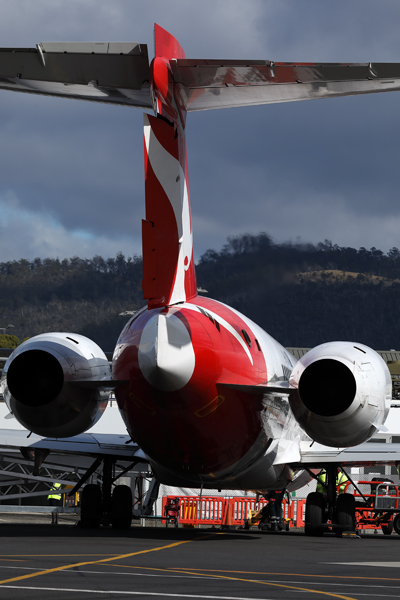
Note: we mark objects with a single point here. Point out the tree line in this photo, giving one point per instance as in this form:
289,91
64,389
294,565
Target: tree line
302,294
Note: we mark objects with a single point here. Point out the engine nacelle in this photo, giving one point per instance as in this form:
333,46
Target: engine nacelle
343,393
57,384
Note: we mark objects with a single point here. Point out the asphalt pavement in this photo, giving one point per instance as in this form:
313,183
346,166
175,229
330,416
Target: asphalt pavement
41,561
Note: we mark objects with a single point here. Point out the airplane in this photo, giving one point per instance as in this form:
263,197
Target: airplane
209,398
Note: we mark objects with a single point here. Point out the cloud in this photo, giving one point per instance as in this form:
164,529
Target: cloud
313,169
38,234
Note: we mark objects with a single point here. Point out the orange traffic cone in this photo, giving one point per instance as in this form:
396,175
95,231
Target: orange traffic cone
228,520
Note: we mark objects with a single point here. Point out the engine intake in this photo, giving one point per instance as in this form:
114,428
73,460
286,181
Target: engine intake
339,394
40,367
57,384
343,393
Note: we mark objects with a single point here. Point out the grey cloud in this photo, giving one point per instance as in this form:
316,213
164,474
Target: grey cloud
315,169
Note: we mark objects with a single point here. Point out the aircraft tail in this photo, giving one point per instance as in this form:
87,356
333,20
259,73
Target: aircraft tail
165,45
168,265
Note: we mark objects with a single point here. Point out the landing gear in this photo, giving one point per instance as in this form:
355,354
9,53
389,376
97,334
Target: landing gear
345,516
91,506
315,510
102,505
330,510
121,507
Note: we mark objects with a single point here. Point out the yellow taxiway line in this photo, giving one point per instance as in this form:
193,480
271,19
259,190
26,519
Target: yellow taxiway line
131,554
198,574
90,562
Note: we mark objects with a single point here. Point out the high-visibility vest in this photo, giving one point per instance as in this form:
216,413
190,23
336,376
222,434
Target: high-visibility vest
341,480
54,487
320,482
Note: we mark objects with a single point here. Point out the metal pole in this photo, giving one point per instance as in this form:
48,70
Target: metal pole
354,485
201,493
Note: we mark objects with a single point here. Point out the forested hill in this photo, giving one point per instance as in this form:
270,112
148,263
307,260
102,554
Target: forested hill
302,294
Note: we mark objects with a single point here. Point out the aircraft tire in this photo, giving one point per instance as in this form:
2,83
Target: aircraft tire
345,516
121,507
314,518
90,506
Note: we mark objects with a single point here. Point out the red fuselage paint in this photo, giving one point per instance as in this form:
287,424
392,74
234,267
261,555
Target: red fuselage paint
205,427
176,402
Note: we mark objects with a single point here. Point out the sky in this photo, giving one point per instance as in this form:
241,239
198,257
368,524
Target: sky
72,176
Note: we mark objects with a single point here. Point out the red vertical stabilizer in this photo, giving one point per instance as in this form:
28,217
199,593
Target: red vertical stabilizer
168,267
165,45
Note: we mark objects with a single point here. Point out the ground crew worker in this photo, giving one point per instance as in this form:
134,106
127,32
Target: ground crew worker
341,480
275,509
271,514
54,499
321,482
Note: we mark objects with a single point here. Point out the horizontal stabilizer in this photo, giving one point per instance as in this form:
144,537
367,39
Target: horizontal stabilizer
119,73
211,84
114,73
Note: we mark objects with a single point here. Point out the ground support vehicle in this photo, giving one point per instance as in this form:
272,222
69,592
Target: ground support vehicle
379,509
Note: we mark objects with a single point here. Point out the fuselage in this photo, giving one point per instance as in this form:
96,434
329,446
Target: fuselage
180,356
178,363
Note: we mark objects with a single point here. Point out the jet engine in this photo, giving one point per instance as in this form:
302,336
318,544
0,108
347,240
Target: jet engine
57,384
343,393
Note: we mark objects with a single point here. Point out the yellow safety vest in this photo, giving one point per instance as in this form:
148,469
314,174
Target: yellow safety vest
320,482
54,488
341,480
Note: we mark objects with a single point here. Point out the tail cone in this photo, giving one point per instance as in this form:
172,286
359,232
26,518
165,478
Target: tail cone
166,355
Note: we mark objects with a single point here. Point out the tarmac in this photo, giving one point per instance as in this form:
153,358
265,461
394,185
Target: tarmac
40,561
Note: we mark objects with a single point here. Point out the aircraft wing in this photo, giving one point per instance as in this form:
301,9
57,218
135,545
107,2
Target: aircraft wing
87,444
211,84
276,387
364,455
110,72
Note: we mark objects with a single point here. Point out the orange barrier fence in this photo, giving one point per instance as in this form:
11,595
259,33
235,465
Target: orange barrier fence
216,510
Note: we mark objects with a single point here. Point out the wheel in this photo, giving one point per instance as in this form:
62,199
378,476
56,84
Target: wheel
90,506
345,515
121,507
387,528
396,524
314,519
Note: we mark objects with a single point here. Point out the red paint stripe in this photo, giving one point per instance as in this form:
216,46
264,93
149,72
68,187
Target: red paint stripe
166,242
